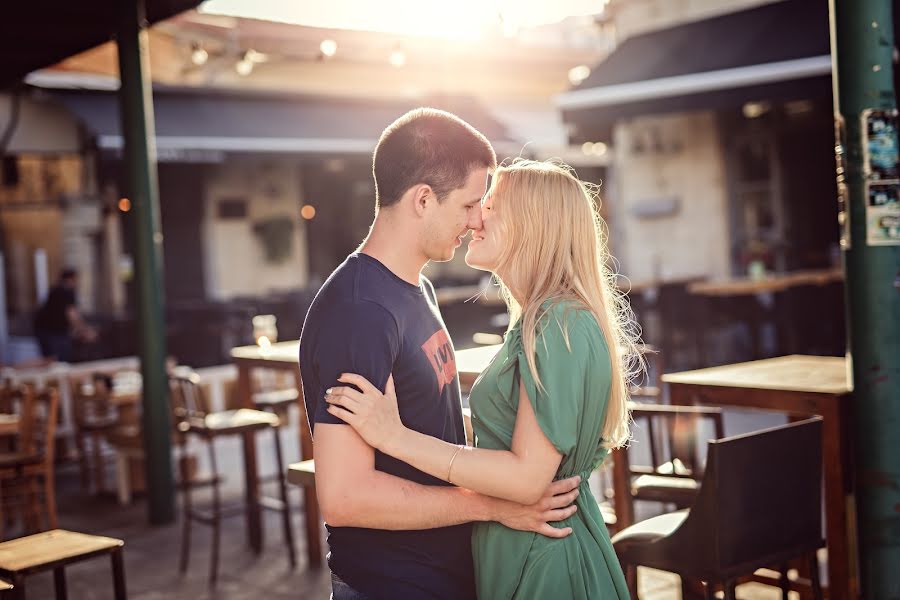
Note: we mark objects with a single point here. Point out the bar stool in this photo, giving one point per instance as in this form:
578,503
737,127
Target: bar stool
190,411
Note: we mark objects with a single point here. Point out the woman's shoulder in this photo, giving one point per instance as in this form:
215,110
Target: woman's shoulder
570,322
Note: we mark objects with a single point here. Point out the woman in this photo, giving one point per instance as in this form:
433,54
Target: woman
553,401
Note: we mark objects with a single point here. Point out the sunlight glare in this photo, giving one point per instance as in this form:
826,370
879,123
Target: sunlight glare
459,20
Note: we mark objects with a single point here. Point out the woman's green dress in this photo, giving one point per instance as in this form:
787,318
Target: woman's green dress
570,409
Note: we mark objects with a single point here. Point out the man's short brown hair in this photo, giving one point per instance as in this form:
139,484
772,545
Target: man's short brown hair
428,146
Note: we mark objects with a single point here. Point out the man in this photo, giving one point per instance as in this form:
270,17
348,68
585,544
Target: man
395,532
58,320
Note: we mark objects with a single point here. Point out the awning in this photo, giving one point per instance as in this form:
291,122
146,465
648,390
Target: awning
189,120
771,52
40,33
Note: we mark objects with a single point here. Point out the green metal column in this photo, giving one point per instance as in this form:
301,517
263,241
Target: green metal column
862,41
140,164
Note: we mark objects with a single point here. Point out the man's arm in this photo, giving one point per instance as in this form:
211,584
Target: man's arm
353,494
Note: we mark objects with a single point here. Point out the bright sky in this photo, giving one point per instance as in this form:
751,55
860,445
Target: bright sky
456,19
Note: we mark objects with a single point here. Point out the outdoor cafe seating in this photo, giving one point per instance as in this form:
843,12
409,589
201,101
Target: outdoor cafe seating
759,504
194,418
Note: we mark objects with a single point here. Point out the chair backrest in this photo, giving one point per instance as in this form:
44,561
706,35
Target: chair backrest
186,395
761,497
39,414
672,435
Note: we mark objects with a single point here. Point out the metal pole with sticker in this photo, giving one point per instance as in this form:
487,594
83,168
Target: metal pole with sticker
862,43
880,167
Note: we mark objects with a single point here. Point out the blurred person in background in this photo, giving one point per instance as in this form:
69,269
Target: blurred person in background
395,531
551,404
58,322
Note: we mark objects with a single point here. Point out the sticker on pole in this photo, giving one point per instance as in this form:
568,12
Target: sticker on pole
881,155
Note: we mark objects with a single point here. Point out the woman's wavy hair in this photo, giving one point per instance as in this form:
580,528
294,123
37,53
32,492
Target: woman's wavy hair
556,249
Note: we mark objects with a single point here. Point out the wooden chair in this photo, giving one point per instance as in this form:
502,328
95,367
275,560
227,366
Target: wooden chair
27,474
94,417
760,503
55,550
193,418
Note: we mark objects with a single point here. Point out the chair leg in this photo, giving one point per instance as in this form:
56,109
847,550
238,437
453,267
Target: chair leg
814,575
187,517
123,478
710,590
99,483
216,515
730,590
59,583
783,582
18,581
83,462
286,509
50,499
118,572
631,578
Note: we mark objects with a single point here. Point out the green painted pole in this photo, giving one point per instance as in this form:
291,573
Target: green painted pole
862,41
136,104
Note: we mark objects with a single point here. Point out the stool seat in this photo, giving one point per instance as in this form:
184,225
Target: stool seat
232,421
52,548
276,399
302,473
661,488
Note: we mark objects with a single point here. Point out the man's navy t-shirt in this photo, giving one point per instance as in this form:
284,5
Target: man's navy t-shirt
366,320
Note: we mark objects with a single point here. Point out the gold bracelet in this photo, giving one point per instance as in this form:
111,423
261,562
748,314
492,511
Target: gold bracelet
450,467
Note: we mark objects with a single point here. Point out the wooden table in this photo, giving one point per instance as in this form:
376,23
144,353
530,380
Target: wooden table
798,385
282,356
741,297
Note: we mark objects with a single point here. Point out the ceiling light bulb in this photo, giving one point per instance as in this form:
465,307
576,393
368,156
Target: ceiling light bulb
328,48
398,58
199,56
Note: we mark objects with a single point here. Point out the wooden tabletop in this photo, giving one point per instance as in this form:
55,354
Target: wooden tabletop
280,352
795,373
51,547
9,424
775,282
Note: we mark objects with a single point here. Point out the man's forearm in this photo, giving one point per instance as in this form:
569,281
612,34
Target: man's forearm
385,501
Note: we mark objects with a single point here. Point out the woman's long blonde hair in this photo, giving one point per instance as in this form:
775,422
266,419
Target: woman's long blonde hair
555,248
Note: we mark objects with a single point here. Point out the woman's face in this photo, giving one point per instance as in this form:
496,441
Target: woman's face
486,244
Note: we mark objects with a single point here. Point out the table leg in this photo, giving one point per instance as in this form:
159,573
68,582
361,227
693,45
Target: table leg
118,569
622,500
59,583
840,509
310,502
251,488
251,476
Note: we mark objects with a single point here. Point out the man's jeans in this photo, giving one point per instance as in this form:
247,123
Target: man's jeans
342,591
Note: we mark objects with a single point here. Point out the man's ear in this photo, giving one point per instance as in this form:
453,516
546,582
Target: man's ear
422,194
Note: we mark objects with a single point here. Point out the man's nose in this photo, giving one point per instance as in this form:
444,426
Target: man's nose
474,222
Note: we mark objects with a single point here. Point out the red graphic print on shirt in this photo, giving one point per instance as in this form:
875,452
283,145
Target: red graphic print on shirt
440,354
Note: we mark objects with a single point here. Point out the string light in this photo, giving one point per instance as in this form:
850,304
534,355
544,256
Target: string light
328,48
199,56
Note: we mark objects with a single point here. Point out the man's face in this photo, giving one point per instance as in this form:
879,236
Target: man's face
447,222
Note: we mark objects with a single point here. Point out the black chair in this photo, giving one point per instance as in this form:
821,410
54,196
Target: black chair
760,504
674,473
192,417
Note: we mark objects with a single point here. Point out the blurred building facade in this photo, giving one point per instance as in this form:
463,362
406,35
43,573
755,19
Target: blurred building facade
719,117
